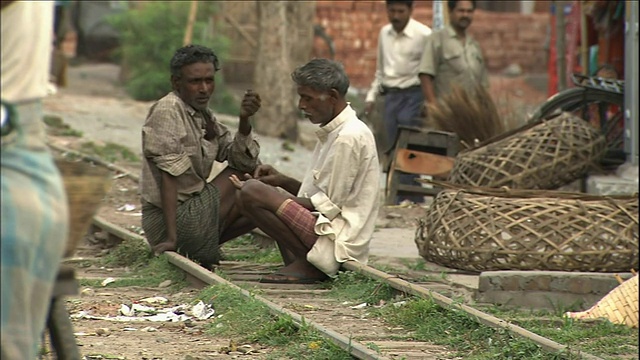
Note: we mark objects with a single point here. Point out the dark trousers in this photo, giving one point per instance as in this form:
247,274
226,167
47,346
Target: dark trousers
403,107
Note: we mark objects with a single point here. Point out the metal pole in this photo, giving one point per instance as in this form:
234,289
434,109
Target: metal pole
561,56
584,47
631,82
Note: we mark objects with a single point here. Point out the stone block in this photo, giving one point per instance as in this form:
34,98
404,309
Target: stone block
544,289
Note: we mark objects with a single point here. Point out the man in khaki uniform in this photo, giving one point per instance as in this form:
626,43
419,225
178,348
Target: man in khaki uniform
451,57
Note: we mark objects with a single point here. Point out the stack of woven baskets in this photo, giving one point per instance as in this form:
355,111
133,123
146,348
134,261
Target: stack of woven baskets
499,211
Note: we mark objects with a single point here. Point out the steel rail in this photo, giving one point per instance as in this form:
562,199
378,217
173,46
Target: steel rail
481,317
340,340
353,347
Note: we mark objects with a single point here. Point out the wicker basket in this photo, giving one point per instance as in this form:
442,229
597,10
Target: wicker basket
500,229
545,155
86,186
620,305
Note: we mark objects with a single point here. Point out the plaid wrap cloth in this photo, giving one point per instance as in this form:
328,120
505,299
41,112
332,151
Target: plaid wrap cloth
34,234
300,220
197,223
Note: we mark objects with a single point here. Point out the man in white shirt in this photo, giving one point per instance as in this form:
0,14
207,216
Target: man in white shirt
400,47
329,217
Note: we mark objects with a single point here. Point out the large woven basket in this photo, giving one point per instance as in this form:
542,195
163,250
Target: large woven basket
86,186
500,229
545,155
620,305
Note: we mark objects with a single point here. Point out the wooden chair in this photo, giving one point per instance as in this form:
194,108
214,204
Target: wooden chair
422,152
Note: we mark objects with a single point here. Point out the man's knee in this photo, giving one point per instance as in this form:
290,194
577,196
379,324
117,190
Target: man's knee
252,192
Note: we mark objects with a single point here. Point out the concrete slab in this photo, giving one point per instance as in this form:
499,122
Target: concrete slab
545,289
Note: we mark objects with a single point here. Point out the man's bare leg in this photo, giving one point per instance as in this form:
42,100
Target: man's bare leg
232,223
260,203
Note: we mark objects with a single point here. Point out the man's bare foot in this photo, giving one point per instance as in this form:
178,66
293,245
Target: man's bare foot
164,246
302,268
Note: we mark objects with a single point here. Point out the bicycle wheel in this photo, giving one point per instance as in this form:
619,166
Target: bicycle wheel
592,105
61,331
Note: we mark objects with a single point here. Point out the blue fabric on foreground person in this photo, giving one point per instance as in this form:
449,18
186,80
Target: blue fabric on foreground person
34,205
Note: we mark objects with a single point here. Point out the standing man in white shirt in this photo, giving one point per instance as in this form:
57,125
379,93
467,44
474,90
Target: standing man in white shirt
400,47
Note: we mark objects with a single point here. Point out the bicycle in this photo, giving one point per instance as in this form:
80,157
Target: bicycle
593,93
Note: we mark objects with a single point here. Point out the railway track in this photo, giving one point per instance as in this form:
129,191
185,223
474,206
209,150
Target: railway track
346,325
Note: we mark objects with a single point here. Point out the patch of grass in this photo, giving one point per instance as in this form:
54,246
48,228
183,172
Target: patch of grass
599,337
110,152
430,322
244,248
56,126
129,253
248,320
156,271
352,286
424,320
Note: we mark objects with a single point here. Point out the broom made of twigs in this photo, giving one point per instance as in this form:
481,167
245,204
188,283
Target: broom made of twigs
469,113
86,186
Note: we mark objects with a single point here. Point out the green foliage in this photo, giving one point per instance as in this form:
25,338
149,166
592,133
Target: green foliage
150,35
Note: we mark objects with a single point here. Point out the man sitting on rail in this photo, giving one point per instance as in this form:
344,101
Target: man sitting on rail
181,139
329,217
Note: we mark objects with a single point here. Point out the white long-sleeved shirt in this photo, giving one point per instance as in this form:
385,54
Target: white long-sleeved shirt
398,59
342,183
27,35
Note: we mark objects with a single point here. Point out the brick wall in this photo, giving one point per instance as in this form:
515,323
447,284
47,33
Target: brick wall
505,38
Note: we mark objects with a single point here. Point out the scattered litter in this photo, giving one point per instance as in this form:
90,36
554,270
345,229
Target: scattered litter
149,329
393,215
361,306
139,312
80,334
127,207
155,300
103,332
102,357
399,303
107,281
87,292
129,329
202,311
346,303
125,310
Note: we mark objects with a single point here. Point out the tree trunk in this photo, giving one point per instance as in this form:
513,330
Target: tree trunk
285,39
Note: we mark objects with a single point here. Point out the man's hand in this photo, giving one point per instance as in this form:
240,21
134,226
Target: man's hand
236,181
250,104
268,175
368,108
164,246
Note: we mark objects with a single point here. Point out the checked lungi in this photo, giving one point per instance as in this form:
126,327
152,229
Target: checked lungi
197,223
300,220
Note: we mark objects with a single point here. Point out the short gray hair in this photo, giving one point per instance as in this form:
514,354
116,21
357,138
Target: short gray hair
322,75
